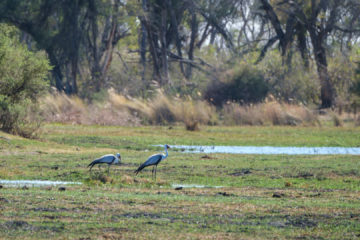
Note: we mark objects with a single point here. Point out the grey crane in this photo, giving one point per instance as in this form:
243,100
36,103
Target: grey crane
109,159
153,160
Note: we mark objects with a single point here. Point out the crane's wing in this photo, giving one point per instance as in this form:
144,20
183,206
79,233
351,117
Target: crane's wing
109,158
152,160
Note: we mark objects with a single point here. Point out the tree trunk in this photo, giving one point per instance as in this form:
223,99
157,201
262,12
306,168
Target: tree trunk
327,91
164,59
143,43
56,71
153,48
74,67
194,30
175,26
95,61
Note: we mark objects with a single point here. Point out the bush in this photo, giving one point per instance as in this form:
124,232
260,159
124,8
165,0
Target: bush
294,84
356,85
22,81
245,84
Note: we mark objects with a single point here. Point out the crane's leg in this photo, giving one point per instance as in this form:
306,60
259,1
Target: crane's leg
152,172
108,169
155,171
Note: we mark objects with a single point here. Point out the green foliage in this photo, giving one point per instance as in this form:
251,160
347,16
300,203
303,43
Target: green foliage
22,81
356,86
342,72
292,82
244,83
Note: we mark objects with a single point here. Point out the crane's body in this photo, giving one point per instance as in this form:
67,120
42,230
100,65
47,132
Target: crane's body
109,159
153,160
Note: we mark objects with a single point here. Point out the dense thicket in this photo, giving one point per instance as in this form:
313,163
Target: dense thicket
188,47
23,77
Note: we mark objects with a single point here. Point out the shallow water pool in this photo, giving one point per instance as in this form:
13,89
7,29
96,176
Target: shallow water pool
34,183
270,150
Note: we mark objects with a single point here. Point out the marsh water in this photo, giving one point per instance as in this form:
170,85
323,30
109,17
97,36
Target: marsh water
213,149
193,186
34,183
270,150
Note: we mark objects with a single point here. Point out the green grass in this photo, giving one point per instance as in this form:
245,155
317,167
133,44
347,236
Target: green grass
263,196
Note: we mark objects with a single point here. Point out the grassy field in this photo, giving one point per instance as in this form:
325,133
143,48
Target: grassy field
262,196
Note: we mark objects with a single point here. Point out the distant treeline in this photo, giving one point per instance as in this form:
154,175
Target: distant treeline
192,47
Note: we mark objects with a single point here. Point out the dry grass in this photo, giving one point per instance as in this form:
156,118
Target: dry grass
235,114
163,110
268,113
121,110
357,121
338,122
59,107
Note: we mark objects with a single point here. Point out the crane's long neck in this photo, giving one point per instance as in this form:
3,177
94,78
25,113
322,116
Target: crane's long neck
166,153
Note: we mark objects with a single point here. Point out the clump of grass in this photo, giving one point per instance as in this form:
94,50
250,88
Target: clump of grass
127,179
235,114
274,113
162,110
337,120
268,113
357,121
105,179
98,178
192,126
193,113
302,113
165,110
58,107
282,114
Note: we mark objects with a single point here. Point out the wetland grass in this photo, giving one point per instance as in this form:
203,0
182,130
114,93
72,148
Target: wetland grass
262,196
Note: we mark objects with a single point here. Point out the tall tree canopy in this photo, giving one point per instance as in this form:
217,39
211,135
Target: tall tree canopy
69,31
81,37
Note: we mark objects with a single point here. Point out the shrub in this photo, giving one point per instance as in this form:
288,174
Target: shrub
355,88
342,71
22,81
245,84
294,84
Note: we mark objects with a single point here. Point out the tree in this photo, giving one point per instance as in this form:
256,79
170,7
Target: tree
23,79
317,18
68,31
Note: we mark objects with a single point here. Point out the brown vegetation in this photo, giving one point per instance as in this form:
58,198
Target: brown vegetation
59,107
121,110
268,113
164,110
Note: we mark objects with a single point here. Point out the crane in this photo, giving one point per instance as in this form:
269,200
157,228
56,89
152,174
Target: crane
110,159
153,160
